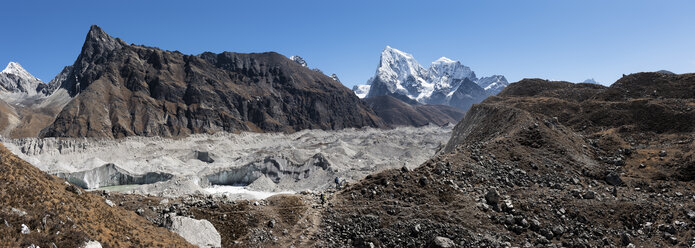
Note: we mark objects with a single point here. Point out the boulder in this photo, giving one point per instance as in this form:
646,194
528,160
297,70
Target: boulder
204,156
492,197
197,232
91,244
442,242
614,179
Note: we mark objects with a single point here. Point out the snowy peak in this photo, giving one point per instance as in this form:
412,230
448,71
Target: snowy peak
400,75
299,60
590,81
395,65
15,68
361,90
493,84
445,73
14,79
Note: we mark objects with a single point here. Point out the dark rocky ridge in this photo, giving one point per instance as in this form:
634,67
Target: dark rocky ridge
398,113
124,90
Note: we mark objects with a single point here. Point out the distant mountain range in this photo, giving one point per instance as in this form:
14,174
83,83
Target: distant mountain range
444,82
115,89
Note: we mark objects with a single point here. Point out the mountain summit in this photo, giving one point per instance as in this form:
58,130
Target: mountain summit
123,90
401,76
15,79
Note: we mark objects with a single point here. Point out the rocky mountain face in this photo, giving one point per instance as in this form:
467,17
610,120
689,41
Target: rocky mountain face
122,90
444,82
27,105
398,113
543,163
15,79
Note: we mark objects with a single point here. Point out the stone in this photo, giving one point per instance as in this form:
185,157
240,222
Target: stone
74,189
423,181
662,153
197,232
614,179
204,156
507,205
91,244
690,214
109,202
442,242
492,197
25,229
18,212
589,195
558,230
625,239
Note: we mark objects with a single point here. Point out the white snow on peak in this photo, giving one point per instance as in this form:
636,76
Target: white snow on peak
445,72
16,69
401,73
361,90
443,60
493,84
591,81
299,60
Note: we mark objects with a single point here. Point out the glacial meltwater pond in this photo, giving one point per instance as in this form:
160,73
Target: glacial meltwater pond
242,192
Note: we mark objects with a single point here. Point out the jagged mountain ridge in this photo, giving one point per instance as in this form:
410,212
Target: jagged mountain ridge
15,79
401,76
123,90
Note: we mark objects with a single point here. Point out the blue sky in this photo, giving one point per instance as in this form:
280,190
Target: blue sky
559,40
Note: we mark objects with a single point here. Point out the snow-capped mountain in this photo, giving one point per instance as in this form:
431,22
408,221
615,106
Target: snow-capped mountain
591,81
493,84
401,76
15,79
361,90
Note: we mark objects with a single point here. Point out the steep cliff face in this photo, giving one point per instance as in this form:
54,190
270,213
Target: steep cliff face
124,90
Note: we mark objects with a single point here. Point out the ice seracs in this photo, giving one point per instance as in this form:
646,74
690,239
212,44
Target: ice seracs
401,76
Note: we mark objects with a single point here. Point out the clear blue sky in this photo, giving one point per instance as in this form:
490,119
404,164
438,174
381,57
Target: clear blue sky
560,40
